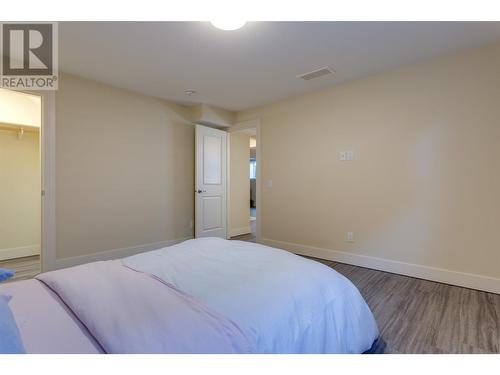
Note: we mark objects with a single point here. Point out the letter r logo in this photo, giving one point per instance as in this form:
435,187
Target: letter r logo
27,49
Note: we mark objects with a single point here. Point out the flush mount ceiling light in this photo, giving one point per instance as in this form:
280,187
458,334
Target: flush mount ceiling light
228,24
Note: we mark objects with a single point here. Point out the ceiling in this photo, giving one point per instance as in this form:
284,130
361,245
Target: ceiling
257,64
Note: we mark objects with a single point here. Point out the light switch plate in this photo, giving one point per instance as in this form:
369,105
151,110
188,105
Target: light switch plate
346,155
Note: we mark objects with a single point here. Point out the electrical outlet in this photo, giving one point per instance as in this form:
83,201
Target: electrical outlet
350,236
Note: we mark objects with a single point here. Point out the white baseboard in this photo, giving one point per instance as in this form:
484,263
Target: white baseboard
19,252
239,231
468,280
115,253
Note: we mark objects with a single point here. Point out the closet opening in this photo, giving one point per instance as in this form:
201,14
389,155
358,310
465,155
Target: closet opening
20,183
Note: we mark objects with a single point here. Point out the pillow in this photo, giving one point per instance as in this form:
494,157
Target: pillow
5,274
10,339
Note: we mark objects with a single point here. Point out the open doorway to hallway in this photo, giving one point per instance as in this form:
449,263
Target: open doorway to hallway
243,185
253,183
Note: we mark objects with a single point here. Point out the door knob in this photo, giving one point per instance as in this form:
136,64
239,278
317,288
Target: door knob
200,191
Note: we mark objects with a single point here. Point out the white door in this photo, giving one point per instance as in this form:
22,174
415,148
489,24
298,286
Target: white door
210,182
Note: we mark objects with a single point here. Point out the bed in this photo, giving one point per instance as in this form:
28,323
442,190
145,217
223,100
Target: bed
206,295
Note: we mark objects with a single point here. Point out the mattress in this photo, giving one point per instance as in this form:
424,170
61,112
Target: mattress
46,325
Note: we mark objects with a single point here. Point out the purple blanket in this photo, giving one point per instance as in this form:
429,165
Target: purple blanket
132,312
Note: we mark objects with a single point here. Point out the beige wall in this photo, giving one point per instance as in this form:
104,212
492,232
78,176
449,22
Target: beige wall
19,194
211,116
125,166
424,186
239,184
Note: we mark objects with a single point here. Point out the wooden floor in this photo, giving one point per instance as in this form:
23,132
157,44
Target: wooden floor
419,316
26,268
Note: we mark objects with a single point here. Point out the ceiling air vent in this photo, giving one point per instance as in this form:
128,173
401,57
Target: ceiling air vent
316,73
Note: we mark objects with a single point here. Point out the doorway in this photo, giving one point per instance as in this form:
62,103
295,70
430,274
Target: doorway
20,182
253,183
243,185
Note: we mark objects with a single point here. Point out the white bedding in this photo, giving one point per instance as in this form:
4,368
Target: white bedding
130,312
45,323
283,303
287,303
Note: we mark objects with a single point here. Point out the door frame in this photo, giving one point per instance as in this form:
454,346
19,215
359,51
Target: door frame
254,123
48,177
48,183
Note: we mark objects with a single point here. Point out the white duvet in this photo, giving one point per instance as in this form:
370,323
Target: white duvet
283,302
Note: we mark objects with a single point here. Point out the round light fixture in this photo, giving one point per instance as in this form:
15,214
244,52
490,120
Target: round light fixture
228,24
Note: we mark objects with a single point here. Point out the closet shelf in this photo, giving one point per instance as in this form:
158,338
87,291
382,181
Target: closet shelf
18,127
